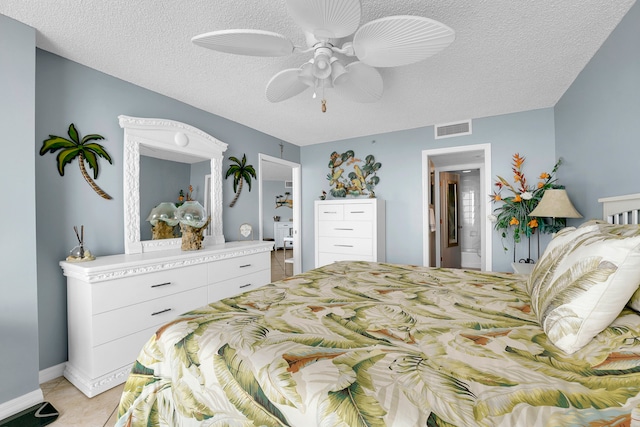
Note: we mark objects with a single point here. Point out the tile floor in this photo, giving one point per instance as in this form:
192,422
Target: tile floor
278,266
77,410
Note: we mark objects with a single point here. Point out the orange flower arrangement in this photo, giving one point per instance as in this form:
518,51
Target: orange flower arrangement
512,215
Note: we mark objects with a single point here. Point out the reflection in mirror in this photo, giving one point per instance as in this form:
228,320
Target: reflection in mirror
163,220
168,181
162,157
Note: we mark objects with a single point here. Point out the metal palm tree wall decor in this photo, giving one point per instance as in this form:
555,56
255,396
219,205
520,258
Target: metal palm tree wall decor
85,149
241,172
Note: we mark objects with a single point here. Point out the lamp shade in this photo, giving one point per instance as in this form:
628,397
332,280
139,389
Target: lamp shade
555,203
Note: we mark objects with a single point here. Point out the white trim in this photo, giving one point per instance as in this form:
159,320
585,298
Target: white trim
296,199
51,373
21,403
485,186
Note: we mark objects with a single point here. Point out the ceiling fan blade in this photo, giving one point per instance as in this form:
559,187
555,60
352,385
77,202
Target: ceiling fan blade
400,40
326,19
246,42
284,85
363,84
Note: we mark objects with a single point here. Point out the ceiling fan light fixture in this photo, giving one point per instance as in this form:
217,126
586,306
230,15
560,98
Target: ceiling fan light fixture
322,63
339,73
305,74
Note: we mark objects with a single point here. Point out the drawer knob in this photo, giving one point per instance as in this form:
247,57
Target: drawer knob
246,265
343,229
344,246
160,284
245,286
357,211
161,311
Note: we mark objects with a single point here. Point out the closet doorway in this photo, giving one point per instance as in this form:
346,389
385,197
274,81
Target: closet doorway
279,195
456,231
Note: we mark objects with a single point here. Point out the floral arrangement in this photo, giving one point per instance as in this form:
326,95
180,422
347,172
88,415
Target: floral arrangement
512,217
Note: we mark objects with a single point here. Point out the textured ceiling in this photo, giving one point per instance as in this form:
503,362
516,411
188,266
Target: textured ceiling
508,56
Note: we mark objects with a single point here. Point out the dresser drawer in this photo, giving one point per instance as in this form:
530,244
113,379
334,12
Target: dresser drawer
327,212
118,293
325,258
128,320
343,245
238,285
117,354
358,212
345,229
240,266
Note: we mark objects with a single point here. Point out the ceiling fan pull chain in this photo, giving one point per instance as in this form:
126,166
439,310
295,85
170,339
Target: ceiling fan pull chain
324,105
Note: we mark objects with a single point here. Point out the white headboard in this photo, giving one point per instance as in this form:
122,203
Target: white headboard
621,209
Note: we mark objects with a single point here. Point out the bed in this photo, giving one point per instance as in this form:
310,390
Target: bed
378,344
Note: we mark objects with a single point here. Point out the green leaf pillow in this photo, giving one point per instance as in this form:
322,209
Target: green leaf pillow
628,230
582,282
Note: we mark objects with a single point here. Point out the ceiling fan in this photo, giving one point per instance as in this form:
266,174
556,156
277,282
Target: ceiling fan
386,42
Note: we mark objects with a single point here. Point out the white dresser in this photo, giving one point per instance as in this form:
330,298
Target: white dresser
349,229
116,303
280,231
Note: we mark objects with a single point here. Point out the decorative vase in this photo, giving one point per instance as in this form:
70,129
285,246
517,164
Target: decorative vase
192,224
162,219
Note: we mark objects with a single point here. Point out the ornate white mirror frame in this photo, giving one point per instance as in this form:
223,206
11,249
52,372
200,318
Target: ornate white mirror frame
169,140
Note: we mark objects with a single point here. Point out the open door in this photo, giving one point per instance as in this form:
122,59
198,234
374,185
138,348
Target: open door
268,167
450,220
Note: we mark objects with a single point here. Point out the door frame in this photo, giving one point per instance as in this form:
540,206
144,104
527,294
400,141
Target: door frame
486,234
296,196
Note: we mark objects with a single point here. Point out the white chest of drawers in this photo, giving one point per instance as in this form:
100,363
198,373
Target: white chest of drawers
280,231
350,229
116,303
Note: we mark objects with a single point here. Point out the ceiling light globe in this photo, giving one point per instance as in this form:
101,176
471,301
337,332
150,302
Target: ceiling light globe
322,66
339,74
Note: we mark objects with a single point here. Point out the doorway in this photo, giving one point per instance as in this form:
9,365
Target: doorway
281,211
469,209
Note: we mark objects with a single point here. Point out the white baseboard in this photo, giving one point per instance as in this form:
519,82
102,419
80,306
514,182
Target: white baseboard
51,373
21,403
28,400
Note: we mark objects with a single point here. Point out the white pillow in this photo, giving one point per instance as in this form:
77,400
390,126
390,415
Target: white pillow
582,282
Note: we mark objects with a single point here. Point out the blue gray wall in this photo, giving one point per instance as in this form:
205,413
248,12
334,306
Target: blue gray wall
530,133
67,92
598,122
18,280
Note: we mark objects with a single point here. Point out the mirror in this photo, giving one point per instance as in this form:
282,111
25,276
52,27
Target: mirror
169,181
150,144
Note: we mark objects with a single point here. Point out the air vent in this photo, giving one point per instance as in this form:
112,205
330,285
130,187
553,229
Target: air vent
288,184
452,129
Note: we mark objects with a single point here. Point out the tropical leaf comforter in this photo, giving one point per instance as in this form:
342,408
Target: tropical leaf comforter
367,344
